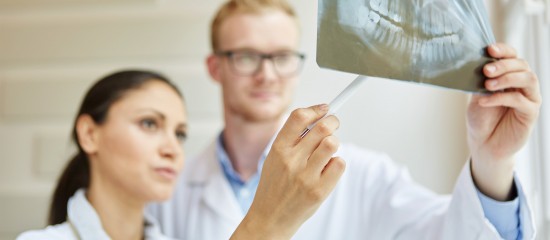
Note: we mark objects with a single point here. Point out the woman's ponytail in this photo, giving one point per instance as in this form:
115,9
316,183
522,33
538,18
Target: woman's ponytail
75,176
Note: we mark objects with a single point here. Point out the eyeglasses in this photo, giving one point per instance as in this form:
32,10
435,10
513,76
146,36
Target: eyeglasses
247,63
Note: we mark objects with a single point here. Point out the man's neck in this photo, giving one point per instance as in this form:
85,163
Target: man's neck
245,143
121,215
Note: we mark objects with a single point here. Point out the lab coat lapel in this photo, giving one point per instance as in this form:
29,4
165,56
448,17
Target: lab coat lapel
219,196
217,193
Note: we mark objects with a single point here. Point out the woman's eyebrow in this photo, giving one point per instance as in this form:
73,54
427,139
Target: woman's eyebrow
154,111
182,125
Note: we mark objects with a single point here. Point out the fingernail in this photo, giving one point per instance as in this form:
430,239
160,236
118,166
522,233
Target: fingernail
495,48
492,83
323,107
491,68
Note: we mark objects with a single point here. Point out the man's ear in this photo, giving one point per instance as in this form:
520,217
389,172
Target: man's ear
87,133
213,63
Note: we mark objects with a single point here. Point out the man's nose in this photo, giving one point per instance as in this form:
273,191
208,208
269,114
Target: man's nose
267,71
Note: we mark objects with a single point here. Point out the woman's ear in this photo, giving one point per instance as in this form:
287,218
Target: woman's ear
213,64
87,133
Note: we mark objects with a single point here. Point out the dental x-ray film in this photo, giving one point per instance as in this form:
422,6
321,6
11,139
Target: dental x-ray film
438,42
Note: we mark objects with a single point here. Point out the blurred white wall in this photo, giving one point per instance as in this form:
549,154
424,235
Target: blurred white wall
52,50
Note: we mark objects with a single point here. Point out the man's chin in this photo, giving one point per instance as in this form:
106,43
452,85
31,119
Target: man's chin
262,115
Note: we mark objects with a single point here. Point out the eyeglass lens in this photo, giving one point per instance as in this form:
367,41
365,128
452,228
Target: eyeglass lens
249,63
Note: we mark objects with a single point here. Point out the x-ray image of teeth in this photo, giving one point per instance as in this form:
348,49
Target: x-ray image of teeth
439,42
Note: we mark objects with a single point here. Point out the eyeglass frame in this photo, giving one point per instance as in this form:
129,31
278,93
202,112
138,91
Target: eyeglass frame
269,56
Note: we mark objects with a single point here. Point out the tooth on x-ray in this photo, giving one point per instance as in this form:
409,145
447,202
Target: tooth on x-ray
438,42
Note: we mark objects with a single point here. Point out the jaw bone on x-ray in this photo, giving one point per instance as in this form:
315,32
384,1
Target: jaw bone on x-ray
439,42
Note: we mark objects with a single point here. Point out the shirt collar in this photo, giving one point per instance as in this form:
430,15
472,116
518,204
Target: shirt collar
226,164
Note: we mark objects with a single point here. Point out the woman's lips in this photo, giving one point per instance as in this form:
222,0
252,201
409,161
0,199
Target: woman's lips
166,173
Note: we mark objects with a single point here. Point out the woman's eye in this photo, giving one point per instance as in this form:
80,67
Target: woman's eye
182,136
149,124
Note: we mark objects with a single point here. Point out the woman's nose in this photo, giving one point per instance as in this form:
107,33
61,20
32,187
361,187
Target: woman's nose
170,147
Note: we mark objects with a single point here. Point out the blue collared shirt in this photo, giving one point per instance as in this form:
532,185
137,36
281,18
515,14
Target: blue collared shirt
503,215
244,191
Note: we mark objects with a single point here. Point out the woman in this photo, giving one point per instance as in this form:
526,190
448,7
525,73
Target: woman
129,132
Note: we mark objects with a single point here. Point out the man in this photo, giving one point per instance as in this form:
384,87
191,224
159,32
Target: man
255,62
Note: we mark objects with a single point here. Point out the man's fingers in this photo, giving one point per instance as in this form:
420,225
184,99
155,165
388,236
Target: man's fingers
298,121
514,99
501,67
526,82
322,154
501,50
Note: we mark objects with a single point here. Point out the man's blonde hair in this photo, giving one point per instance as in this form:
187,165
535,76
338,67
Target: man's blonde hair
233,7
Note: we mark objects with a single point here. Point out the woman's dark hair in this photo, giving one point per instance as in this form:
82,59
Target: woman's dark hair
96,103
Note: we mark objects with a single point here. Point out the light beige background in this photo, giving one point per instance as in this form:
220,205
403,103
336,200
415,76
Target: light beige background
52,50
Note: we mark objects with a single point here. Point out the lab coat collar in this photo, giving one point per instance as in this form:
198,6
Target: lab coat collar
84,218
205,172
206,165
216,194
88,225
202,167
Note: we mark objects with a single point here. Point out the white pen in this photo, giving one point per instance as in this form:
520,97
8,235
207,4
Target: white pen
338,101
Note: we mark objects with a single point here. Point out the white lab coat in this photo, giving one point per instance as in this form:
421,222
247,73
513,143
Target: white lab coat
85,224
374,199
